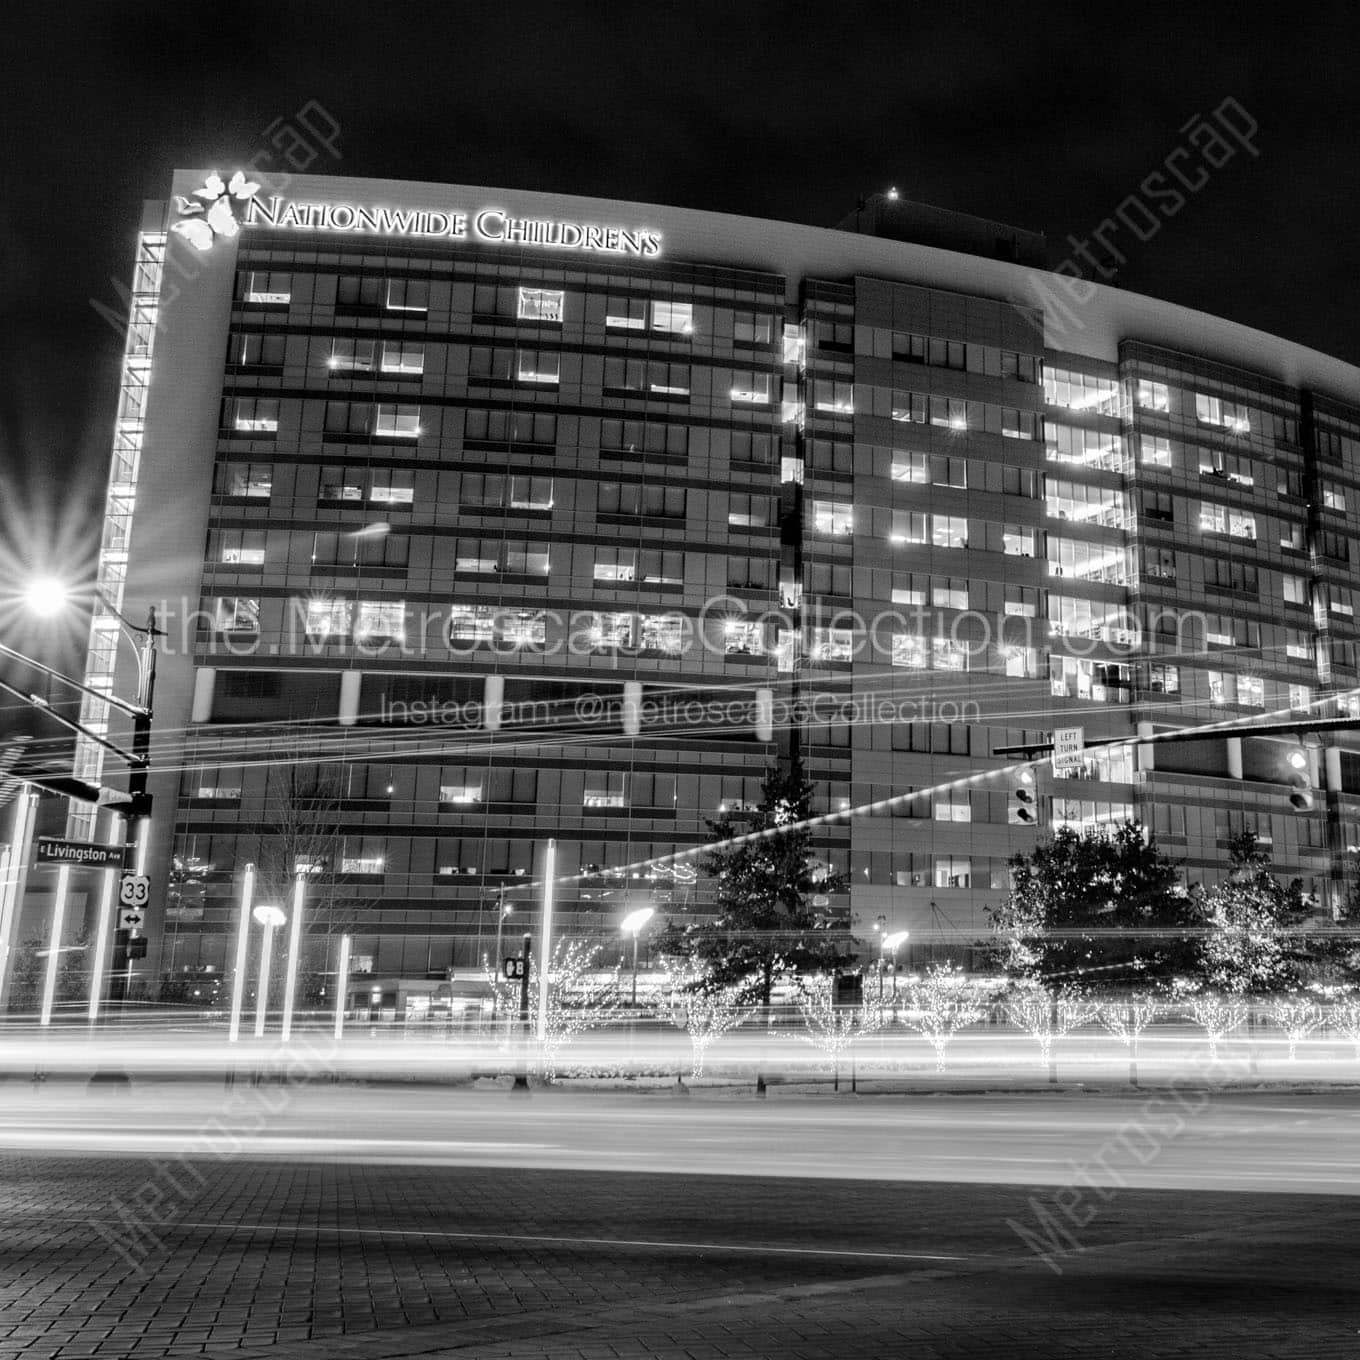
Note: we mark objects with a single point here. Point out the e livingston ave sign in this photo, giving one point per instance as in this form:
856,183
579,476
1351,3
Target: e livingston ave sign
492,226
52,850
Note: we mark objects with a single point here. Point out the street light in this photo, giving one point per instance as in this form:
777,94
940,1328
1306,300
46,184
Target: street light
46,596
271,918
892,943
632,925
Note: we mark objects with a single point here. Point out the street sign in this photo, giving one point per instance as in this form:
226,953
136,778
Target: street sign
514,968
131,918
134,890
53,850
1069,746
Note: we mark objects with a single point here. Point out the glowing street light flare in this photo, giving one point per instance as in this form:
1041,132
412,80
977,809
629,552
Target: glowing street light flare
238,989
271,918
46,596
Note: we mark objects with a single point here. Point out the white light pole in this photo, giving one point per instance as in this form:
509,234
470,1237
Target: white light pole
271,918
15,878
341,987
54,944
632,925
294,945
238,988
893,943
545,948
101,931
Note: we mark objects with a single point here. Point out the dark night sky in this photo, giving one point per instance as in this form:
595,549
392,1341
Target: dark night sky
1045,117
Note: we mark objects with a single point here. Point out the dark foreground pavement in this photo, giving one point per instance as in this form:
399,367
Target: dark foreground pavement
314,1261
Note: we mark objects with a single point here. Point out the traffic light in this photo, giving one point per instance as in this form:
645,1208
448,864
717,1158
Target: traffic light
1301,797
1024,800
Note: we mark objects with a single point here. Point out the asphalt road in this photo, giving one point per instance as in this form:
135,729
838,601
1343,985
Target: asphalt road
313,1224
1189,1139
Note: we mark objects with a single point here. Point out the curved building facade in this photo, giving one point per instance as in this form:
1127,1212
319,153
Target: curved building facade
478,517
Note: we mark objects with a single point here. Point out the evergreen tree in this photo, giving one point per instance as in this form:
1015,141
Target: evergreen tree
766,924
1096,910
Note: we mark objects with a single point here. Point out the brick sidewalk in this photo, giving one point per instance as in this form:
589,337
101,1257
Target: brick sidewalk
312,1261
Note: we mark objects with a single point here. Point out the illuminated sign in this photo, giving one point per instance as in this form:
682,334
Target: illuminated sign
492,226
214,216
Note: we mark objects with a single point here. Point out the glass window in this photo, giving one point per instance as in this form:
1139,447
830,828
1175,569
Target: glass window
327,617
537,366
396,422
1017,541
242,547
253,481
238,614
616,564
949,531
749,386
350,356
752,328
833,517
268,288
408,295
1153,396
400,357
677,318
380,621
254,415
540,304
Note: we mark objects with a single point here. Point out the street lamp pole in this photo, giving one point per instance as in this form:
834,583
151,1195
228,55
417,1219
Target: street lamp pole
632,925
271,918
502,911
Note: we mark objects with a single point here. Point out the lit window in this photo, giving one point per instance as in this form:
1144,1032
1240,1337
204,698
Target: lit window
341,484
397,422
327,618
605,789
1251,691
538,366
392,487
408,295
949,531
350,356
1017,542
220,793
242,547
910,467
610,632
1208,410
1153,396
1295,590
661,633
402,358
743,638
1156,451
953,872
949,594
833,517
1333,497
252,481
521,628
380,621
268,288
616,564
541,304
909,650
748,386
1300,696
948,655
256,414
477,562
238,614
460,795
677,318
471,623
833,644
1213,519
833,396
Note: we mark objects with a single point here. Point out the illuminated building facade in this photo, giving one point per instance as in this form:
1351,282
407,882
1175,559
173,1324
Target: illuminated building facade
479,517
